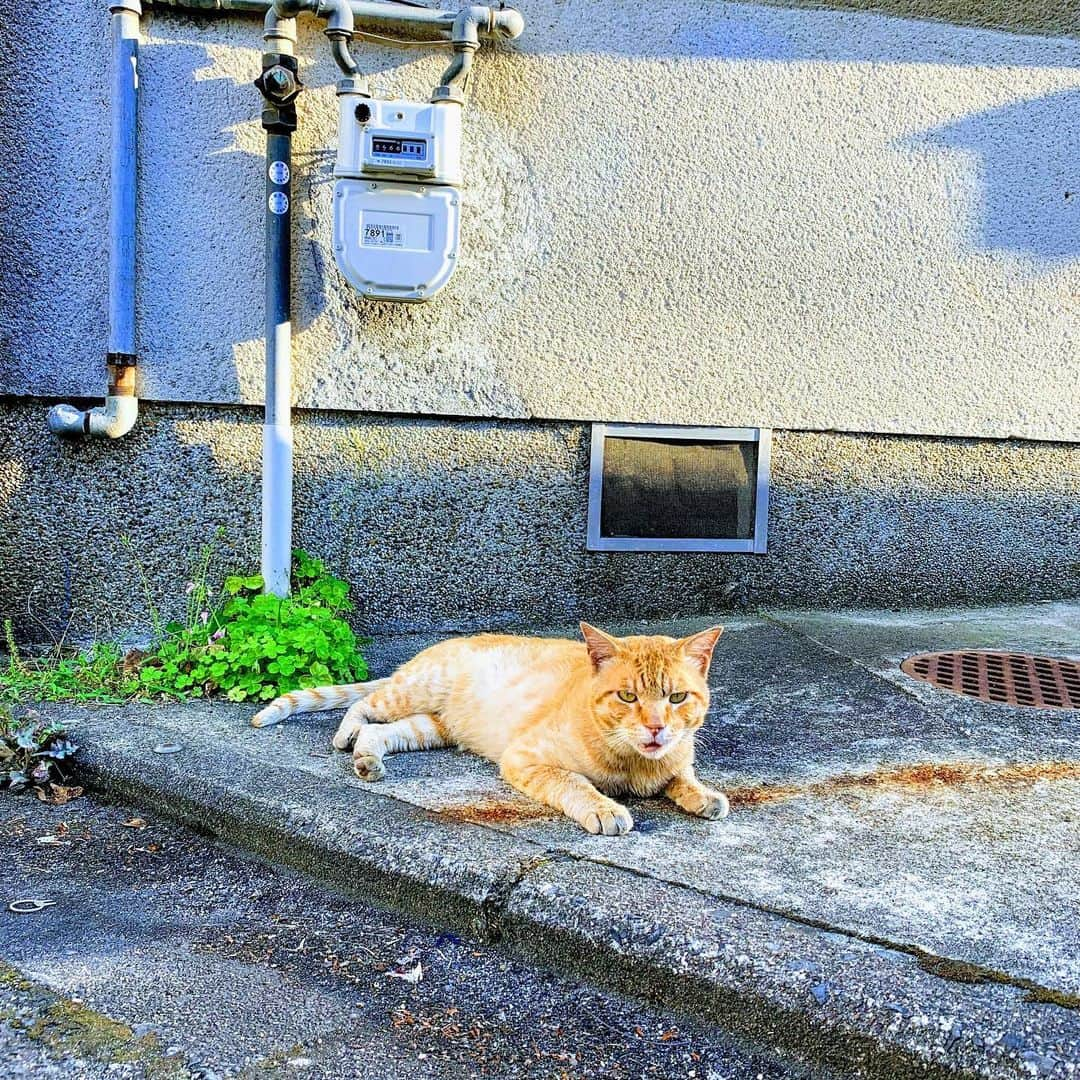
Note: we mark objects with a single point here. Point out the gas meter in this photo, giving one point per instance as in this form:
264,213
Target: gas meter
396,199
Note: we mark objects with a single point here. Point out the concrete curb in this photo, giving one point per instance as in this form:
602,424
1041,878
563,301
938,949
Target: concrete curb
825,997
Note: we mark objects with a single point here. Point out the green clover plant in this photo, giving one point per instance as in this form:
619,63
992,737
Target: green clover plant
255,646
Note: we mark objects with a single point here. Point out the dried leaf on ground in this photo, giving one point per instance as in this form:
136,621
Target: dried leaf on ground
134,823
132,662
58,794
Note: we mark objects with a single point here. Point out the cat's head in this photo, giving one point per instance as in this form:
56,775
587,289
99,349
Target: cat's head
650,693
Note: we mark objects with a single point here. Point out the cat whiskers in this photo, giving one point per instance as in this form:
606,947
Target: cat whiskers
709,740
619,740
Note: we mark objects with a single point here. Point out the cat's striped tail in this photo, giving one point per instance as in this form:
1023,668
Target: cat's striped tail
318,699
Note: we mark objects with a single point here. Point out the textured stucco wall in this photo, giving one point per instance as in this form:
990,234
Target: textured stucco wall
445,525
1031,16
676,212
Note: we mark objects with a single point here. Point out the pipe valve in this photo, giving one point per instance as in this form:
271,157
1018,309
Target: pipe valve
279,82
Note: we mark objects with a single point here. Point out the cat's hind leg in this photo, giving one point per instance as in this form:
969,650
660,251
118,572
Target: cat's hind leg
400,716
422,731
391,701
358,714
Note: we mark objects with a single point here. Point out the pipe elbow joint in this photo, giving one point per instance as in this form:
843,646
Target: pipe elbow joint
112,420
339,19
508,23
476,21
469,22
115,418
279,26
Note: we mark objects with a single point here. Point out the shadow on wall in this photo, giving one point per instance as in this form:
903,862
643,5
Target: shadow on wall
1027,154
203,179
200,209
201,202
67,574
882,32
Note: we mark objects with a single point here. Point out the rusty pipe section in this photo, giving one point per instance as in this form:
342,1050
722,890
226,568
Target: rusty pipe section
109,421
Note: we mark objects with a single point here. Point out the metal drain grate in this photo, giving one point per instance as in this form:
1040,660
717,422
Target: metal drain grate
1038,682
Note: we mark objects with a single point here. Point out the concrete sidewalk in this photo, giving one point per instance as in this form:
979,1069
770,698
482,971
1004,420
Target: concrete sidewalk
863,905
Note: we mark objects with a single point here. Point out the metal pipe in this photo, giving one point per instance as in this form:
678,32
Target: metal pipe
454,83
277,474
279,85
339,32
419,23
339,50
117,416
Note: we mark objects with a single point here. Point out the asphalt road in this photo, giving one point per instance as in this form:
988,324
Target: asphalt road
168,955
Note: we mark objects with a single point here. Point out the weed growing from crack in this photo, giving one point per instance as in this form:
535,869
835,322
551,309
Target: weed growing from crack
255,646
243,644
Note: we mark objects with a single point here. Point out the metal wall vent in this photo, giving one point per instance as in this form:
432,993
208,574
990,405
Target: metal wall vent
1038,682
655,488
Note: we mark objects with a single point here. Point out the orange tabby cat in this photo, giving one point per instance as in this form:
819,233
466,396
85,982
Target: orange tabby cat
568,724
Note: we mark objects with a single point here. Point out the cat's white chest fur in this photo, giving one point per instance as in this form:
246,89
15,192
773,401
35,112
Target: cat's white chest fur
502,691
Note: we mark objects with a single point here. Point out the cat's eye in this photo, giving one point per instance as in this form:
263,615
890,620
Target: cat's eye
678,699
628,696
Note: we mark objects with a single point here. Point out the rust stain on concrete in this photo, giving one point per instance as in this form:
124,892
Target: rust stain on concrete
497,812
928,776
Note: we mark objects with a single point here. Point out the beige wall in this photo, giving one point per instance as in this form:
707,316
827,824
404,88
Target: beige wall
676,212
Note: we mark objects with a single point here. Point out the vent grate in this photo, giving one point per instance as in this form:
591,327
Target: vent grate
1036,682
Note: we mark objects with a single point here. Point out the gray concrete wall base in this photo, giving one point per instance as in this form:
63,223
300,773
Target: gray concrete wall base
445,525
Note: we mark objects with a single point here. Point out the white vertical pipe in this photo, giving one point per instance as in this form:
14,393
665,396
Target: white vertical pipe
277,458
277,462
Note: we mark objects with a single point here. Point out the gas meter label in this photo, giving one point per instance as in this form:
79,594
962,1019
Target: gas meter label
278,202
382,234
279,172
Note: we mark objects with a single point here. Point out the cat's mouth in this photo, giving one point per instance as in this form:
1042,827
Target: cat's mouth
653,748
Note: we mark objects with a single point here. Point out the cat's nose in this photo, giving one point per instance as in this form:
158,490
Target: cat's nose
655,728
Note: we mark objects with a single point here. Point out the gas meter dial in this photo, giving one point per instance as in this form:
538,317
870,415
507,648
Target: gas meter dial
390,152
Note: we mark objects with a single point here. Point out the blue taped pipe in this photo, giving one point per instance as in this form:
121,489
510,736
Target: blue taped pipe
277,476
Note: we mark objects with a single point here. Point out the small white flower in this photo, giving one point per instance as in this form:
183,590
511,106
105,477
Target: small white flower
189,588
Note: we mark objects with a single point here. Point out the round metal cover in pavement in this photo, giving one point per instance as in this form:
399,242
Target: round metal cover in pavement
1036,682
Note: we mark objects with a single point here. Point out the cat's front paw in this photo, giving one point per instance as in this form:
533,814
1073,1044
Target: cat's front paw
611,820
714,806
368,766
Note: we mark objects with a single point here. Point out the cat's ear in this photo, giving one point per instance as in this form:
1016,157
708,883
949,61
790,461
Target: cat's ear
698,648
602,647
